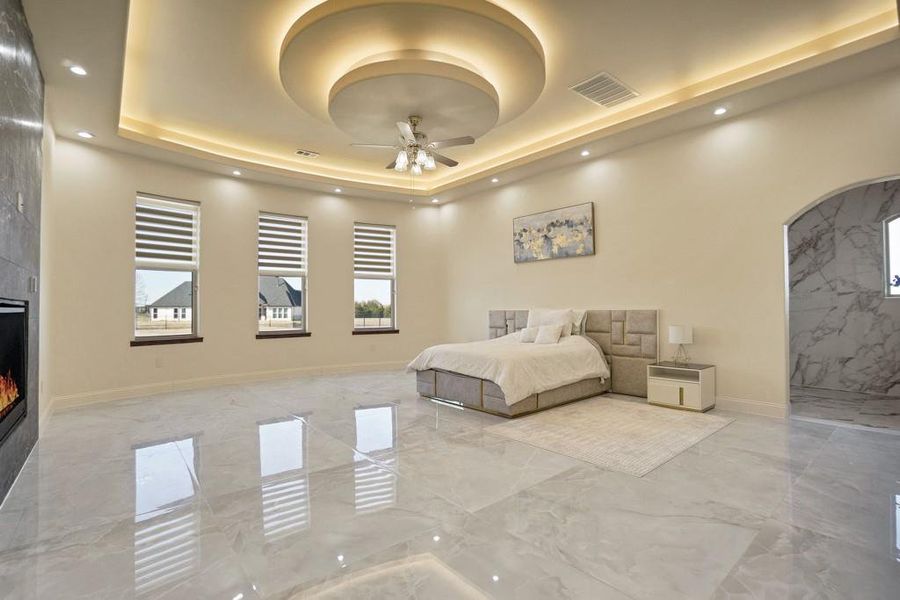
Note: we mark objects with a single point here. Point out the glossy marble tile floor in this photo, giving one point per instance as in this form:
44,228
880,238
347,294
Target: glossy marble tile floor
853,408
352,487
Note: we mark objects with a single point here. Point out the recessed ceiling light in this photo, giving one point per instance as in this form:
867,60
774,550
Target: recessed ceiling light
720,110
87,135
77,70
434,200
495,180
495,578
585,152
338,190
236,173
436,538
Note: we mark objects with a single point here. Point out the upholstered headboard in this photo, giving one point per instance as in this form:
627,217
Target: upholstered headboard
629,339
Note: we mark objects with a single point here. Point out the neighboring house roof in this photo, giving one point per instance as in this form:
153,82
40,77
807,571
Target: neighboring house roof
178,296
275,291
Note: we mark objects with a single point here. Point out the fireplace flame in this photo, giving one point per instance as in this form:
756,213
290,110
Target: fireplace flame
9,391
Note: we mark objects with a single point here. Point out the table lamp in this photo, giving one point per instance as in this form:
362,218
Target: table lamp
681,335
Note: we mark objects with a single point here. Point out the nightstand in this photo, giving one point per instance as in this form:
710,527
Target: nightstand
688,386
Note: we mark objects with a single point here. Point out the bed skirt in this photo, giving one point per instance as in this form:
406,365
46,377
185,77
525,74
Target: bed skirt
486,396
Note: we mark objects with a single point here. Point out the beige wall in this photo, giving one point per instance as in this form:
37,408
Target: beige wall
89,250
691,224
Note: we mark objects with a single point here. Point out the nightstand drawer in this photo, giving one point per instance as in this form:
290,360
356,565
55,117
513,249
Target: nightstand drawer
674,393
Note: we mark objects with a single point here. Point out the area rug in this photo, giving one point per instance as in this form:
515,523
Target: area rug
619,435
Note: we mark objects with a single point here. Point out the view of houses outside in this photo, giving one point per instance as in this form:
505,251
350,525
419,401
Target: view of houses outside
280,303
163,303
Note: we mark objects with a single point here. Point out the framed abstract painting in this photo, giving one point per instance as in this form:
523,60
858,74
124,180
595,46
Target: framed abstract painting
557,233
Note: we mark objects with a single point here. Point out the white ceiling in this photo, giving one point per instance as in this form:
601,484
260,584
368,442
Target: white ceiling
208,82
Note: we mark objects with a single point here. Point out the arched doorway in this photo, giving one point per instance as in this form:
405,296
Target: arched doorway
844,307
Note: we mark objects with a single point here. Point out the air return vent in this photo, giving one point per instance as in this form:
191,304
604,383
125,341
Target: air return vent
604,89
307,153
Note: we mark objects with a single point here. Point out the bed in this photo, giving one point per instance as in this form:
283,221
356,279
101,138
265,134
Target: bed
507,378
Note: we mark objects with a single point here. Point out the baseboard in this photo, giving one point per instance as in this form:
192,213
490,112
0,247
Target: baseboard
45,409
109,395
752,407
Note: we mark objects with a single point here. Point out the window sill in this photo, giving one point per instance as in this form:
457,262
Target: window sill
374,331
282,334
162,340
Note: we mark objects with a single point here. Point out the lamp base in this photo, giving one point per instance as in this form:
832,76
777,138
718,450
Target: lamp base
681,356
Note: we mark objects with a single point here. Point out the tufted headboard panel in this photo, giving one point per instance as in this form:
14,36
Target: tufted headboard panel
629,339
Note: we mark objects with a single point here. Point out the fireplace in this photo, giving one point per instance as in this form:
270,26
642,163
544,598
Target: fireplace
13,364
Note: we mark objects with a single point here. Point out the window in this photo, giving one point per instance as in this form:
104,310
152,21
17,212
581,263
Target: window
282,258
892,256
167,242
374,277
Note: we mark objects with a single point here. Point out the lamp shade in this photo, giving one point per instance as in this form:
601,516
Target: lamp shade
402,161
681,334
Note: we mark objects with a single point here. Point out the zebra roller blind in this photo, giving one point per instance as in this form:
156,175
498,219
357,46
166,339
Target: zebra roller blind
374,251
167,233
282,245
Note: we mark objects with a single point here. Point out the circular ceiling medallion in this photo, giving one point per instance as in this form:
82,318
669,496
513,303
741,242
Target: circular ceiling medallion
452,101
464,66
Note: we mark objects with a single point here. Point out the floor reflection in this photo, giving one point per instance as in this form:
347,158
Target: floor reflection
284,482
166,523
896,515
376,437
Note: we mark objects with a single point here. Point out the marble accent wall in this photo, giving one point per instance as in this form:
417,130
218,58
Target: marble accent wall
845,335
21,131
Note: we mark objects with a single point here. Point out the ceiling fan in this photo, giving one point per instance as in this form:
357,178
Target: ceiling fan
415,152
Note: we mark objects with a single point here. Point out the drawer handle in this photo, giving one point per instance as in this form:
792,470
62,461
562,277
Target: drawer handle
681,396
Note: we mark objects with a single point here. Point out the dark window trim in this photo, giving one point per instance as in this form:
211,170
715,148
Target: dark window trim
160,341
374,331
282,334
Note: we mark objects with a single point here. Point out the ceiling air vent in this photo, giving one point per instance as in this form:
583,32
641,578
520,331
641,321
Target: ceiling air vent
307,153
604,89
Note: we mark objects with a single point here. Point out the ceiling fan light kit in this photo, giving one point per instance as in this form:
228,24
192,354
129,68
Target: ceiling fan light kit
402,161
415,153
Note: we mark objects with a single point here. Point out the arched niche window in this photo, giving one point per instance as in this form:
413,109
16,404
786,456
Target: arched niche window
892,256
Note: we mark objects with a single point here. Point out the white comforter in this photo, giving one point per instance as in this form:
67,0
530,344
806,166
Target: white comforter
519,369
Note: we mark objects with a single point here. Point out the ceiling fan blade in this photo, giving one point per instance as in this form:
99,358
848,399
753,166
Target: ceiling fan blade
406,131
392,165
373,146
460,141
444,160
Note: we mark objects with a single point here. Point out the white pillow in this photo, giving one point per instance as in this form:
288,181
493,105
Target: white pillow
528,334
552,316
549,334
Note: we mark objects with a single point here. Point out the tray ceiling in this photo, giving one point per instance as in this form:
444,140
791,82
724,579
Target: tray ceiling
249,83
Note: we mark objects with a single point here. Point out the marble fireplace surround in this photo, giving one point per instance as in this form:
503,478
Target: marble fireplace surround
844,333
20,225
